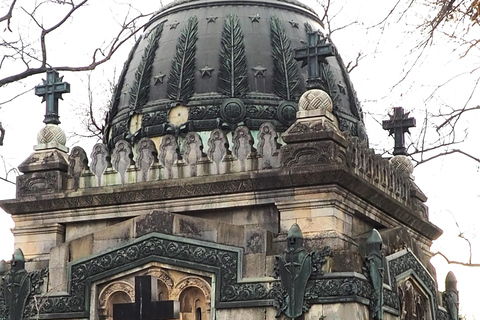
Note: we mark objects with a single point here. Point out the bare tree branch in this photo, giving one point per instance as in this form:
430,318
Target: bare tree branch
465,264
8,15
127,30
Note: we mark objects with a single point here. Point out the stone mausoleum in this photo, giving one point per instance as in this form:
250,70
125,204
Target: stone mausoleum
234,177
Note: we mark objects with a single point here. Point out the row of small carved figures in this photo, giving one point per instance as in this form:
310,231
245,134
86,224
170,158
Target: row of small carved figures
168,154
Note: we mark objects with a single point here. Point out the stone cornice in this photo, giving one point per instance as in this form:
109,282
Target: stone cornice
256,181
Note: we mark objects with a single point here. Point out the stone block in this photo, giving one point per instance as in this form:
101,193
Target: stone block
241,313
113,236
231,235
57,269
286,224
346,261
255,241
269,265
296,213
338,311
196,228
254,265
38,240
319,224
80,229
81,248
156,221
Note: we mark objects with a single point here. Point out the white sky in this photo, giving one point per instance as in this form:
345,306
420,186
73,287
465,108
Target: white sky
451,183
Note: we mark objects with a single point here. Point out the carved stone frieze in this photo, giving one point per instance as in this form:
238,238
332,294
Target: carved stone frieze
313,153
242,145
192,151
77,164
217,147
41,183
146,156
111,289
100,161
122,159
267,148
162,276
195,282
168,153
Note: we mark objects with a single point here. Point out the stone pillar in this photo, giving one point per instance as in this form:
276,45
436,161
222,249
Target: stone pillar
36,241
45,170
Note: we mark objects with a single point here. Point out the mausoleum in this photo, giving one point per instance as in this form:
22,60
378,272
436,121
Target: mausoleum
234,181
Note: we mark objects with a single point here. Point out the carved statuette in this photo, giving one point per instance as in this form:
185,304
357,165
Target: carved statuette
373,270
294,267
16,287
450,296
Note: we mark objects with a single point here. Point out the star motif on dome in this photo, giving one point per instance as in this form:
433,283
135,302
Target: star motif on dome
259,71
211,19
206,71
293,24
174,25
255,18
159,78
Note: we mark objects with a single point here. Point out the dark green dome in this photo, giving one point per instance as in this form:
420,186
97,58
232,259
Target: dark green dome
202,65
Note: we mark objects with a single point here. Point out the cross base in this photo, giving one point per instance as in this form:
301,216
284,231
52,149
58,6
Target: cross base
315,83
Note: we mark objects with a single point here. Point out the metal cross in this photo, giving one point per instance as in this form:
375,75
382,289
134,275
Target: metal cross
398,125
51,90
314,55
146,306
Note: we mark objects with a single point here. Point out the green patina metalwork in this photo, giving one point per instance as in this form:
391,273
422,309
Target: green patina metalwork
16,287
294,267
233,78
374,271
181,82
285,70
51,90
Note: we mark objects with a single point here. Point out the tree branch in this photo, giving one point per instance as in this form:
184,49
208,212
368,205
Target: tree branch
116,43
8,15
466,264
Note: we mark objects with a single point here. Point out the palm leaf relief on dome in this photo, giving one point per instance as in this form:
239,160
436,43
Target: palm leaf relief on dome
141,86
117,94
285,70
181,82
308,27
232,79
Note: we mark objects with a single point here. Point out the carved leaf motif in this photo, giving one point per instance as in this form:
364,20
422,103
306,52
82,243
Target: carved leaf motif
181,82
141,86
117,94
285,71
232,79
332,89
308,27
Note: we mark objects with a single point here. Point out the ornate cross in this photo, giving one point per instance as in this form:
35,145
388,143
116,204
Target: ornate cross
51,90
314,55
146,306
398,125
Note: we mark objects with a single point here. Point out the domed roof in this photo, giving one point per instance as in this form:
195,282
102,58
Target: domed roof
202,65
